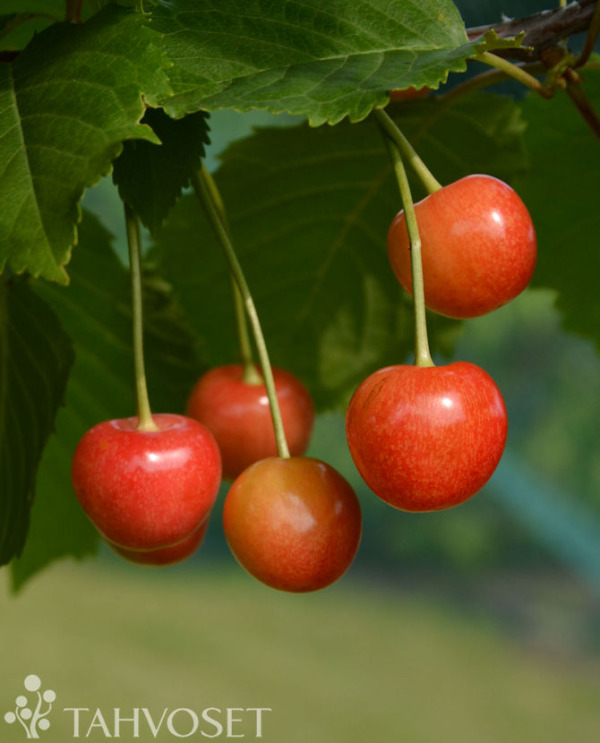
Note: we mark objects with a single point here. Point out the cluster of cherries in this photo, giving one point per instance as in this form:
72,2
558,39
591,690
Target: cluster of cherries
294,523
422,437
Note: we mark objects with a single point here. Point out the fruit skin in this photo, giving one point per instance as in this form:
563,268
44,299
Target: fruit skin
294,524
427,438
165,555
478,246
239,416
146,490
408,94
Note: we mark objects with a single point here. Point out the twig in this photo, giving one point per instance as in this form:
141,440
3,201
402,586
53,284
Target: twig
542,30
591,38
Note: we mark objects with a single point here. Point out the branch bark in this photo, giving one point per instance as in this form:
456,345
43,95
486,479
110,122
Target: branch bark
542,30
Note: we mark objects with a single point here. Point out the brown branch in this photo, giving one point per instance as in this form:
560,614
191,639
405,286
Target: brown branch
577,94
544,33
542,30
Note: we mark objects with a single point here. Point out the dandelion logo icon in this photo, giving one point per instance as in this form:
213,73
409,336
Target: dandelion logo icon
32,712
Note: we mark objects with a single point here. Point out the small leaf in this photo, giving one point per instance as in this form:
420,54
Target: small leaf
151,177
95,310
35,357
491,42
66,104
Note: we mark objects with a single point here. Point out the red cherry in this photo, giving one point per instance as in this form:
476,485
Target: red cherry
427,438
478,246
239,416
166,555
294,524
407,94
147,489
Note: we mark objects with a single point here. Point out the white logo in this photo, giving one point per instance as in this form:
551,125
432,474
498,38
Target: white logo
33,712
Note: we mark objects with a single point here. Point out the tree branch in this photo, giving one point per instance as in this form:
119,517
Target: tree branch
542,30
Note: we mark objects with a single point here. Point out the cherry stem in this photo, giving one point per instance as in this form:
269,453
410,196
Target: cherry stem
250,373
207,193
473,84
145,420
516,72
408,151
422,352
577,94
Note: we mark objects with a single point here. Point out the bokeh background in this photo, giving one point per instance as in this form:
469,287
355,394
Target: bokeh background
477,625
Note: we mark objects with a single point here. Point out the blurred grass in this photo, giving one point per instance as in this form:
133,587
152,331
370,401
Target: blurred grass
347,664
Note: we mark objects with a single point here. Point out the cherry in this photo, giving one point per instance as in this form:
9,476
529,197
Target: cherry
426,438
146,490
166,555
294,524
239,416
408,94
478,246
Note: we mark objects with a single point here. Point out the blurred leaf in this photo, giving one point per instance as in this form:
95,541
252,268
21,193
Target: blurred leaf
561,192
35,357
309,211
95,311
67,103
151,176
325,61
9,23
55,8
479,134
17,29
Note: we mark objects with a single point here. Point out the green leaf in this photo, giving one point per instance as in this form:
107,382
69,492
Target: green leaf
309,210
151,177
561,191
35,356
326,60
95,310
66,104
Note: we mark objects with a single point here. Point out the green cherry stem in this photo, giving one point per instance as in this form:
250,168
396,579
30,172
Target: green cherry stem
422,352
205,190
483,80
388,125
250,373
145,420
516,72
